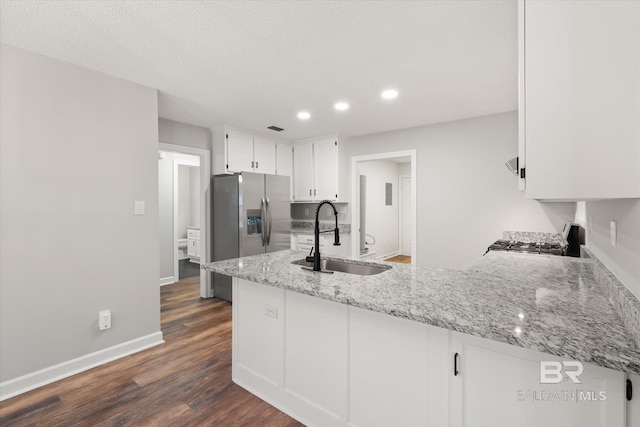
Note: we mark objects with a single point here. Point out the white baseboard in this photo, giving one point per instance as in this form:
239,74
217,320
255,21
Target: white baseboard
71,367
167,280
389,255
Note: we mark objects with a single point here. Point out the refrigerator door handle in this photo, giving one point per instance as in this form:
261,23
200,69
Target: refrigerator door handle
268,222
263,214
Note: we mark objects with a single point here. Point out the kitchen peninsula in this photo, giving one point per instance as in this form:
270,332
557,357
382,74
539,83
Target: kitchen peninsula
418,346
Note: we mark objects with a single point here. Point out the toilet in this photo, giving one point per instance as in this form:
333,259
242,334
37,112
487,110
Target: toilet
182,249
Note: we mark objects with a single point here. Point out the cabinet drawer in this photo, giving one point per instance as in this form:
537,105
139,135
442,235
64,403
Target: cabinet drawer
306,242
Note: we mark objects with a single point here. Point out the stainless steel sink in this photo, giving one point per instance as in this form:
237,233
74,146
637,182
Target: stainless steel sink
344,266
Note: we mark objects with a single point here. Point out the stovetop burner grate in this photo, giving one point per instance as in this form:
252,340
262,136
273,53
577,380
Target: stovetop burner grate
527,247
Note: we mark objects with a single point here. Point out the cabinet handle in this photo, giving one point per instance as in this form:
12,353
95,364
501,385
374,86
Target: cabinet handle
314,192
309,192
456,356
252,164
256,165
629,390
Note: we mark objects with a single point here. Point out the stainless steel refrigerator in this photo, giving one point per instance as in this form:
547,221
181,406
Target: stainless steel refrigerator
251,215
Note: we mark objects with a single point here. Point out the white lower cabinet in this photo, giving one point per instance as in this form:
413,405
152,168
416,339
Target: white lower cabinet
501,385
633,406
316,351
329,364
397,371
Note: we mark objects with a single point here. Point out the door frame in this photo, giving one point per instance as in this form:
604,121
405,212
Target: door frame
206,290
355,198
401,210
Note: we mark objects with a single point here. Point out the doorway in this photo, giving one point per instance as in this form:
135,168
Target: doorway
384,206
183,177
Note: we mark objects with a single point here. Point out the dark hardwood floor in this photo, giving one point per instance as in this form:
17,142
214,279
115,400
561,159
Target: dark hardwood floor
184,382
187,269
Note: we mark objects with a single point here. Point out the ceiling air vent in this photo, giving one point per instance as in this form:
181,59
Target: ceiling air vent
276,128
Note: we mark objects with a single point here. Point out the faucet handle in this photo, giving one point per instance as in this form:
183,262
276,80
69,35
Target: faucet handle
309,258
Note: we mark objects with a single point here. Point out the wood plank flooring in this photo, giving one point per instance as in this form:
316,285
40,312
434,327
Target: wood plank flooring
184,382
402,259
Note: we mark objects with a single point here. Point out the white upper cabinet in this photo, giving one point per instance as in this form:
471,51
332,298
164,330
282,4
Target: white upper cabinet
315,165
580,99
241,151
264,156
284,163
303,180
325,166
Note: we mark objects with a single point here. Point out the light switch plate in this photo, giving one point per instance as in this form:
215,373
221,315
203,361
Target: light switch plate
138,208
613,231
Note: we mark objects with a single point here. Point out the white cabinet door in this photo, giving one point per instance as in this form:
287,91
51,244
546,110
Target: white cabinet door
239,152
326,169
633,406
502,386
258,333
390,372
264,155
303,172
316,352
581,99
284,160
284,163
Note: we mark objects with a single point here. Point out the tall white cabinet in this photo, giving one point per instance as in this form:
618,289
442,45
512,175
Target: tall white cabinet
580,99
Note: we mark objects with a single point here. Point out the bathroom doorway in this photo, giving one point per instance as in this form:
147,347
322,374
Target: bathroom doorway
183,193
384,198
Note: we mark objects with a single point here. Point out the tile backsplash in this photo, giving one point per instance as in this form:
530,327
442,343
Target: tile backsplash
307,211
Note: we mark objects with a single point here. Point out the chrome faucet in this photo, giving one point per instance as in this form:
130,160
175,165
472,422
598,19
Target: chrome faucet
336,234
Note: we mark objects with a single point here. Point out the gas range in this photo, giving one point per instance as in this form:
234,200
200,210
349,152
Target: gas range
528,247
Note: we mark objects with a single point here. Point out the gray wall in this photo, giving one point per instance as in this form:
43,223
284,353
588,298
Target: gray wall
77,148
178,133
466,196
624,259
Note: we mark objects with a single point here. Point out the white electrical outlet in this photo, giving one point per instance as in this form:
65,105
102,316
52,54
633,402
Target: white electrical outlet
271,311
138,208
329,211
104,319
590,226
613,231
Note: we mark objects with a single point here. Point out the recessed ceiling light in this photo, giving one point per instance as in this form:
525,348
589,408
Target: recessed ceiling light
304,115
341,106
390,94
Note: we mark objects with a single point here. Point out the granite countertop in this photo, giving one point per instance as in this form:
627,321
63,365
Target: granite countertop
306,227
545,303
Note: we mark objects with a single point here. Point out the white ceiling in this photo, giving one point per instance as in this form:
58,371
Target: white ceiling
257,63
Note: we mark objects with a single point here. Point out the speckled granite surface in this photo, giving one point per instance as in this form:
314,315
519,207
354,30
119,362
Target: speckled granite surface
553,301
626,305
306,227
533,237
